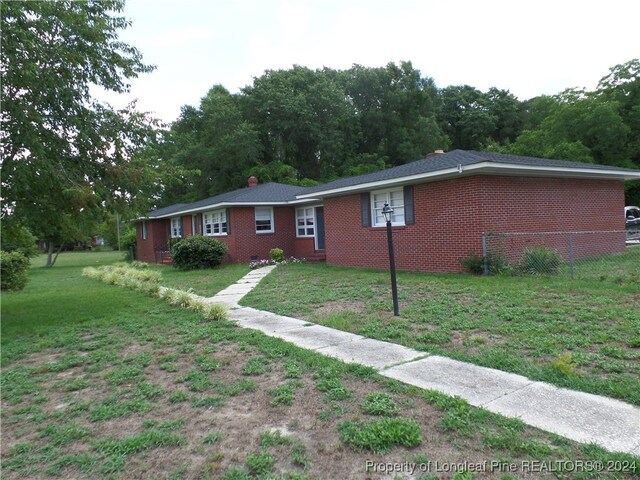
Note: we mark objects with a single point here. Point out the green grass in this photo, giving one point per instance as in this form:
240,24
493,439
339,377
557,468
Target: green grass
206,282
285,394
581,334
257,366
379,404
380,436
96,399
50,299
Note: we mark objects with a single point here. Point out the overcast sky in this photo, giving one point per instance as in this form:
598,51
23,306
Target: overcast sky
528,47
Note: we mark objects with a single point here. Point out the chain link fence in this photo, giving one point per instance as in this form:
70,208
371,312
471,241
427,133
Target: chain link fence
596,255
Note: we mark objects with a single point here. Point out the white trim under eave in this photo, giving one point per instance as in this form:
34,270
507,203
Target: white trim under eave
489,167
215,206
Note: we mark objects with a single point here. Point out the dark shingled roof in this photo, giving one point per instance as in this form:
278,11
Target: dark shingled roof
278,193
273,193
449,160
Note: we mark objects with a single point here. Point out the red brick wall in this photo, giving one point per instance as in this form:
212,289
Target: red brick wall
187,226
244,242
157,237
304,247
452,214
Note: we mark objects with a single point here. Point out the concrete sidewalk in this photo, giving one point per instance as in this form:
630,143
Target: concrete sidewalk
586,418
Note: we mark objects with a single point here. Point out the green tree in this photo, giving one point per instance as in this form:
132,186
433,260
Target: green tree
509,114
66,156
215,143
395,109
303,119
16,236
465,117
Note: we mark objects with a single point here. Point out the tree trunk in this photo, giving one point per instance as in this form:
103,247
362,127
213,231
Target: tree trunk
52,261
49,254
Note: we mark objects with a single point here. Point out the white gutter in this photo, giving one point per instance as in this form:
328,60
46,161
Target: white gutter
220,205
489,167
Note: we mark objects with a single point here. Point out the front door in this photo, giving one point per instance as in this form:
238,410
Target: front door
319,228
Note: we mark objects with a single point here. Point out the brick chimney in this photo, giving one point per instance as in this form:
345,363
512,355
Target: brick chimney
252,181
437,152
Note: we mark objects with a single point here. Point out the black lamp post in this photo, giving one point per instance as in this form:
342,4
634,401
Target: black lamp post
386,213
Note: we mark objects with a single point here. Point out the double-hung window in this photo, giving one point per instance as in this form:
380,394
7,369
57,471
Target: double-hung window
143,229
215,223
305,222
176,227
395,199
264,219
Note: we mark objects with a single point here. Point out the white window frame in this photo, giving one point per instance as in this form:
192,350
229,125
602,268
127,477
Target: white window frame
143,230
261,211
176,227
396,202
216,220
308,222
194,220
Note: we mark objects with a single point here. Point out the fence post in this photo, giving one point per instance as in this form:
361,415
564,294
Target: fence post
485,260
571,264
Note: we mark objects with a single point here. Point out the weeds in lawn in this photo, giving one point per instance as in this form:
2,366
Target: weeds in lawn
380,436
196,381
379,404
274,438
135,443
178,396
212,438
206,364
285,394
565,364
257,366
64,434
333,389
260,463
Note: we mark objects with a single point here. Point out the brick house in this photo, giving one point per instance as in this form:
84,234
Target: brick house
441,203
250,221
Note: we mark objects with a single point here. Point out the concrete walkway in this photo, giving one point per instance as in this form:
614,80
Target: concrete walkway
586,418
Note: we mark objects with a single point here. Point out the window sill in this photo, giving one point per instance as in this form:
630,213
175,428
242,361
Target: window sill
264,232
393,227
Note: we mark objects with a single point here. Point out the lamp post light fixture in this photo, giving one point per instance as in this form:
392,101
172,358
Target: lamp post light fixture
386,213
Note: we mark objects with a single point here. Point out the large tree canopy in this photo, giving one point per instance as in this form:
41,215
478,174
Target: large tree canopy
602,126
66,156
302,126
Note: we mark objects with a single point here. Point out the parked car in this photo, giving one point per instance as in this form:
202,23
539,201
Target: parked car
632,217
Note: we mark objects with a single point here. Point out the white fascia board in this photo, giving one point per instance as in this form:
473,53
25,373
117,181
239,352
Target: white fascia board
550,170
217,206
482,167
380,184
306,200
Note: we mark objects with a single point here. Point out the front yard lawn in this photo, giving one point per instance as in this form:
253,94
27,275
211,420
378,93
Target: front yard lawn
102,382
582,334
206,282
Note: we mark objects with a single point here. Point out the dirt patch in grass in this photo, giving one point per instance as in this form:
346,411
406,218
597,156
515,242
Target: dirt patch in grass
224,418
340,306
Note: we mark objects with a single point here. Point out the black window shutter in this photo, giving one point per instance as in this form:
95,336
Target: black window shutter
409,215
228,213
365,207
